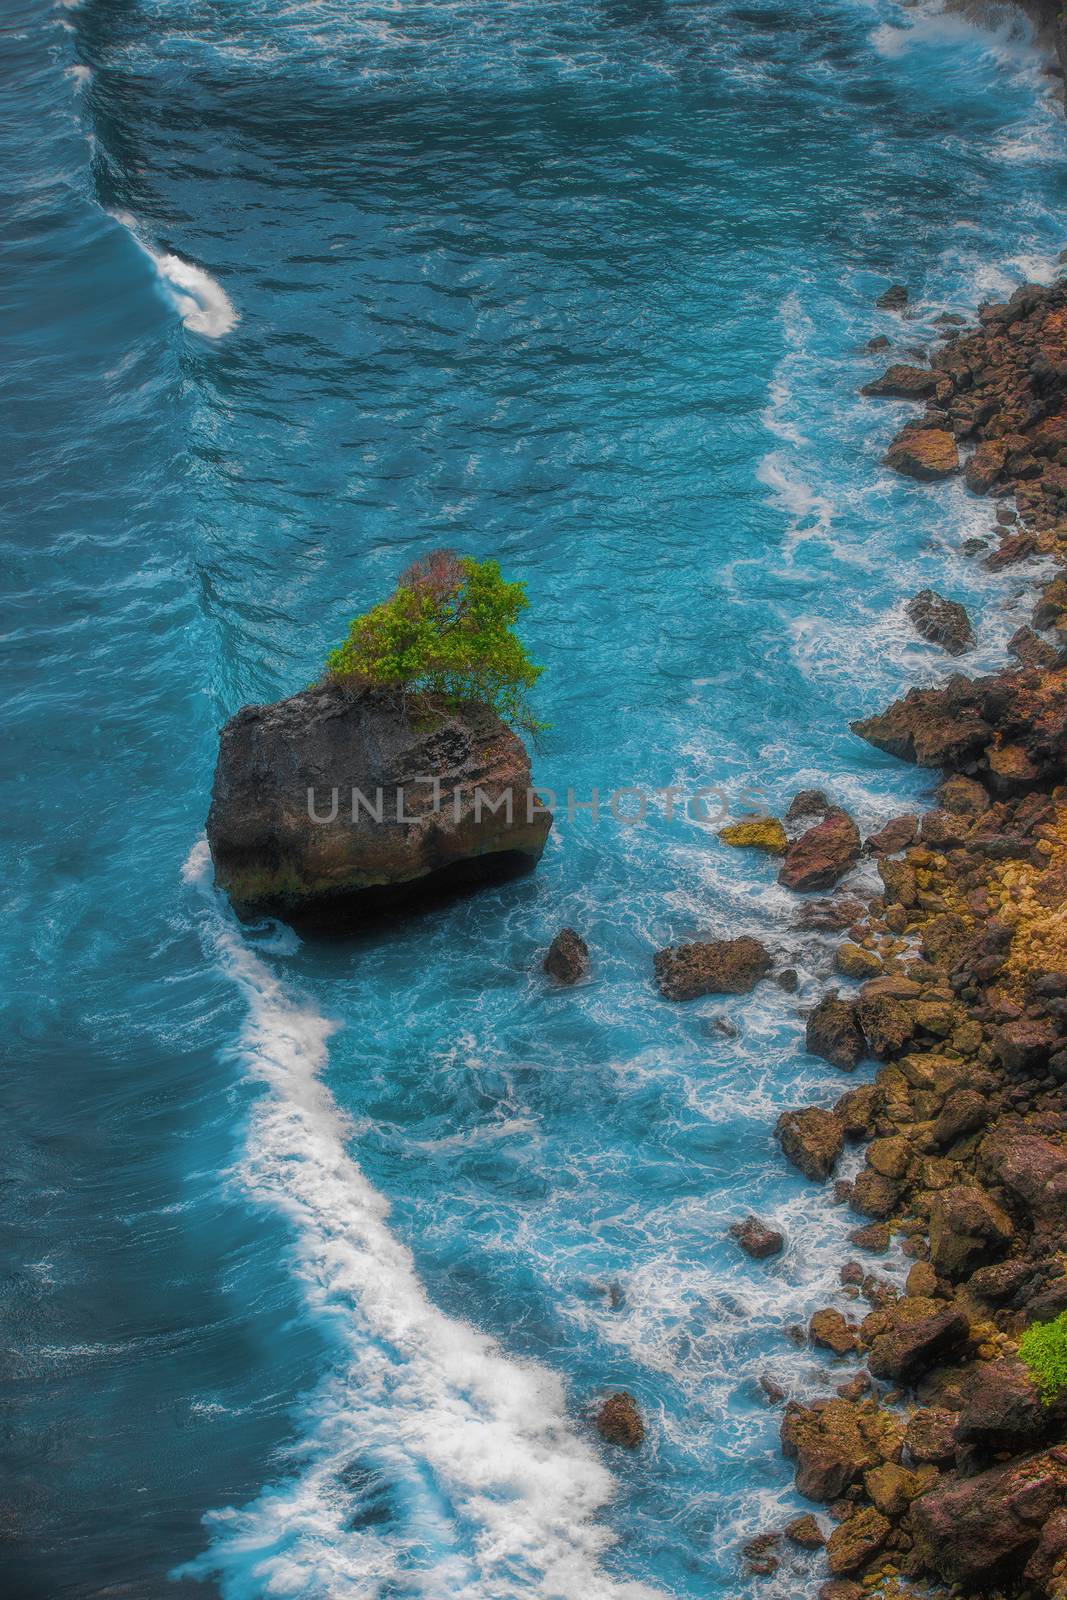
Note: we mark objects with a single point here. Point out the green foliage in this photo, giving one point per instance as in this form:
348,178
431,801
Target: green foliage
1043,1347
447,630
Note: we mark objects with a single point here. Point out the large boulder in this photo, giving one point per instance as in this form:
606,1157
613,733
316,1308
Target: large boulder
1002,1409
832,1032
717,966
902,382
812,1139
980,1532
331,805
967,1230
823,854
834,1442
925,454
911,1342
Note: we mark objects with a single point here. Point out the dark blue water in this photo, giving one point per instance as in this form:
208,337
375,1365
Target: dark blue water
334,1248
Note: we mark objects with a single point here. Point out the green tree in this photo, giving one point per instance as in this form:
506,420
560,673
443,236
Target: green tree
1043,1347
447,631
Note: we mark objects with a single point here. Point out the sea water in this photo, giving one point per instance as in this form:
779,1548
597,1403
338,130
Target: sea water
318,1257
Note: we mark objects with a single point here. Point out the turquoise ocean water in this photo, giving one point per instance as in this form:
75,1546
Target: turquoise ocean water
314,1258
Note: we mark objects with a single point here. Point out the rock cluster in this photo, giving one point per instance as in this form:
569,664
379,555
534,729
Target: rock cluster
939,1463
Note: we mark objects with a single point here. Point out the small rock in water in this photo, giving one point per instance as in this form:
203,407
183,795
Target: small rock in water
719,966
807,803
567,959
833,1032
894,298
756,833
805,1532
942,622
855,962
772,1389
619,1420
759,1555
788,979
879,342
901,382
756,1239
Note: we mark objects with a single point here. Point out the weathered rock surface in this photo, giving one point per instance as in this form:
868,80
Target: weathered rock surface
271,858
902,382
981,1532
967,1230
567,958
619,1420
941,622
925,454
833,1033
717,966
756,1239
812,1139
834,1442
823,854
912,1343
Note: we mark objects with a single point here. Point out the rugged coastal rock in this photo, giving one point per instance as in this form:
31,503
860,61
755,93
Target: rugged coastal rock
964,1481
442,805
717,966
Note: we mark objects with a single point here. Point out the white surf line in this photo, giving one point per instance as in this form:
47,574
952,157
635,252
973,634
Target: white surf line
499,1494
201,302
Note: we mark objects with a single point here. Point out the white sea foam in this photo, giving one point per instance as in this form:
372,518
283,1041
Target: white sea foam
499,1494
201,302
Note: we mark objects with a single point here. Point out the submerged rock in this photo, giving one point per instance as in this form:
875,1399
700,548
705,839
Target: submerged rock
331,805
567,959
717,966
619,1420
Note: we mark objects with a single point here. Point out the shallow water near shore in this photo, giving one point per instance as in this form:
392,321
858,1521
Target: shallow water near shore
319,1254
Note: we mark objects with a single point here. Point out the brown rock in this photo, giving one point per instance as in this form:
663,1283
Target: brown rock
756,1239
719,966
931,1435
1002,1409
963,1113
852,961
859,1109
985,466
874,1195
925,454
901,382
967,1230
909,1346
759,1554
834,1442
895,298
962,796
897,834
892,1488
886,1024
941,622
619,1420
829,1331
853,1543
805,1532
980,1532
812,1139
822,855
833,1034
567,959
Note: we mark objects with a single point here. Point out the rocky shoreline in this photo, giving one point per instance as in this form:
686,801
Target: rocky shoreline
933,1451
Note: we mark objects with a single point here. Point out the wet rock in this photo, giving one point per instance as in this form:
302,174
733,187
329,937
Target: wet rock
771,1388
910,1345
859,1109
874,1195
619,1420
1001,1281
812,1139
759,1554
873,1237
834,1442
805,1532
567,959
719,966
1033,651
830,916
967,1230
788,980
273,859
985,466
980,1532
895,298
756,1239
1031,1168
828,1330
854,1542
892,1488
897,834
822,855
840,1589
807,803
902,382
941,622
926,455
833,1034
756,833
